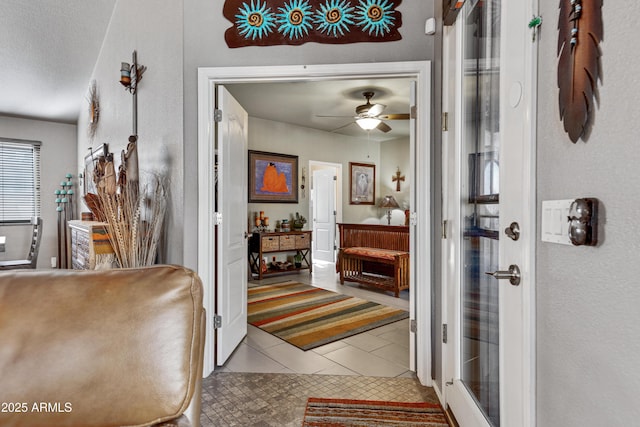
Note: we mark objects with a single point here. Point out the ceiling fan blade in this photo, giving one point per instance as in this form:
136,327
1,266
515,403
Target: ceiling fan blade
375,110
333,117
395,117
383,127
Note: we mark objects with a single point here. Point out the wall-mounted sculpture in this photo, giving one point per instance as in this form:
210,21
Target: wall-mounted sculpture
580,31
295,22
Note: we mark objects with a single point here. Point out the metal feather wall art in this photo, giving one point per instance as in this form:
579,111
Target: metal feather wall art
580,31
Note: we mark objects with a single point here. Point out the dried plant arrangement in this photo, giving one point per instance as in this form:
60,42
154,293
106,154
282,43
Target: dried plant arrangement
134,218
133,213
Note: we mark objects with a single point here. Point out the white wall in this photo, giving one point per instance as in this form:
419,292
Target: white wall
395,154
588,298
57,154
154,29
310,144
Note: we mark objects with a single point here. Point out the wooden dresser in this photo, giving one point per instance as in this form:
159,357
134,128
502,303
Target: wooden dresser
90,246
294,242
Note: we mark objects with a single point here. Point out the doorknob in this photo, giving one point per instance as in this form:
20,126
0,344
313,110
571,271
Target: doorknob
513,231
513,274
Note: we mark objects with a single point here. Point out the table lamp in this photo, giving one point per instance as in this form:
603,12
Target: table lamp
389,203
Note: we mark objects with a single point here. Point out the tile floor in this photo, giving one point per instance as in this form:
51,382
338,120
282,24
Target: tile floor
278,400
266,381
381,352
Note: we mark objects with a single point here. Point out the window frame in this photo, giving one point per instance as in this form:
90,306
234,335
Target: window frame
36,199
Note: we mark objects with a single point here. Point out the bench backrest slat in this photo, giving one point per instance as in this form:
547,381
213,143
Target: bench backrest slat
394,237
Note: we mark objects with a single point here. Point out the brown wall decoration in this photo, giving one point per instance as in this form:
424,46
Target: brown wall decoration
295,22
580,31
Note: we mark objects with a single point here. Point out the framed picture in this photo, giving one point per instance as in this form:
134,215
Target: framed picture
273,177
90,161
362,184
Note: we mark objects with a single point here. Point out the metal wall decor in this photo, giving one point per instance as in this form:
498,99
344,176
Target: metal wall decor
130,76
94,110
580,31
295,22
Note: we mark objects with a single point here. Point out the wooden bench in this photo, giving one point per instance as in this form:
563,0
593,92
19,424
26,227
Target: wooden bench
375,255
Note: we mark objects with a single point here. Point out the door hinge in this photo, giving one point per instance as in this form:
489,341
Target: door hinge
335,177
217,217
413,218
413,326
217,115
445,122
444,228
217,321
413,112
335,213
444,333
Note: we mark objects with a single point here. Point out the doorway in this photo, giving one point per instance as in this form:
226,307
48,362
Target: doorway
420,72
325,208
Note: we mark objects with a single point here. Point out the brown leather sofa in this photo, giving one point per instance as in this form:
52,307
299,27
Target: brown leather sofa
121,347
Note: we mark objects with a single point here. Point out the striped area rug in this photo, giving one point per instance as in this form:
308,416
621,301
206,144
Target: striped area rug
309,317
370,413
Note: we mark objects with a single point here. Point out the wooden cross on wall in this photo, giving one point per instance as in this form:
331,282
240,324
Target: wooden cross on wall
397,178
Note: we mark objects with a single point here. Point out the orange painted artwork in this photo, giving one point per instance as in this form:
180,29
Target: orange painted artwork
272,181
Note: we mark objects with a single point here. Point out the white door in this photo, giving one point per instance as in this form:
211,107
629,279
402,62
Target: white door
488,354
324,214
231,250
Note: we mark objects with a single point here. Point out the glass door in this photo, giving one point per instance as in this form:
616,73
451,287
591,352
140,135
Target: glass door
490,199
480,206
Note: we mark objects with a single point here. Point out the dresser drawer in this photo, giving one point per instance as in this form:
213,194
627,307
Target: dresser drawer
303,241
270,243
287,242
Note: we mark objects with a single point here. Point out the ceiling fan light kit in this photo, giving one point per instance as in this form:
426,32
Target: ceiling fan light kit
368,116
368,123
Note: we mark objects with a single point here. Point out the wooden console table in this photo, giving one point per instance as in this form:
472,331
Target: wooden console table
269,243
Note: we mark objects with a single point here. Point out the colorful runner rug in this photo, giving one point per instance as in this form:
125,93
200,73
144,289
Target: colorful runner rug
309,317
370,413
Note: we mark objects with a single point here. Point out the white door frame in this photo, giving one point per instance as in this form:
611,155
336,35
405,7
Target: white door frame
420,286
315,164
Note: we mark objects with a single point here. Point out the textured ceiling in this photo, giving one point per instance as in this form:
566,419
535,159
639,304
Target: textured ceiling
48,49
300,103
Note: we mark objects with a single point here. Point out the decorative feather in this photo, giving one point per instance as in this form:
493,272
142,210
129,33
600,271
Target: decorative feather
580,31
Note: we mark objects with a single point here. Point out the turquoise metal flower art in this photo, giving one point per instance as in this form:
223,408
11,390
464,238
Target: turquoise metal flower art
334,17
295,19
375,16
255,20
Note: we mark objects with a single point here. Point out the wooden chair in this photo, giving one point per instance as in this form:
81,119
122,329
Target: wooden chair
32,256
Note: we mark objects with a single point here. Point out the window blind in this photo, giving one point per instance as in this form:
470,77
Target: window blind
19,180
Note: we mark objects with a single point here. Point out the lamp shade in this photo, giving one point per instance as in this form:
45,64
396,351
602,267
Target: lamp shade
389,202
368,123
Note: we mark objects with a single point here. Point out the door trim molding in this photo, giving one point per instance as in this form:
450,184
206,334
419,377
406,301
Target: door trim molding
209,77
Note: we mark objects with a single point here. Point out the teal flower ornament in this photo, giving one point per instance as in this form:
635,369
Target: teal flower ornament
255,20
375,16
295,19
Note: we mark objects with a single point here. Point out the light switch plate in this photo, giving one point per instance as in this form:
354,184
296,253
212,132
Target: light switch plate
555,226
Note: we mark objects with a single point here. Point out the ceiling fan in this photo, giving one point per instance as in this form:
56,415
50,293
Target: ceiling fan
369,116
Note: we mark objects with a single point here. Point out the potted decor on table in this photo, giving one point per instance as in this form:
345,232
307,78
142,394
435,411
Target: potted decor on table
297,260
299,222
